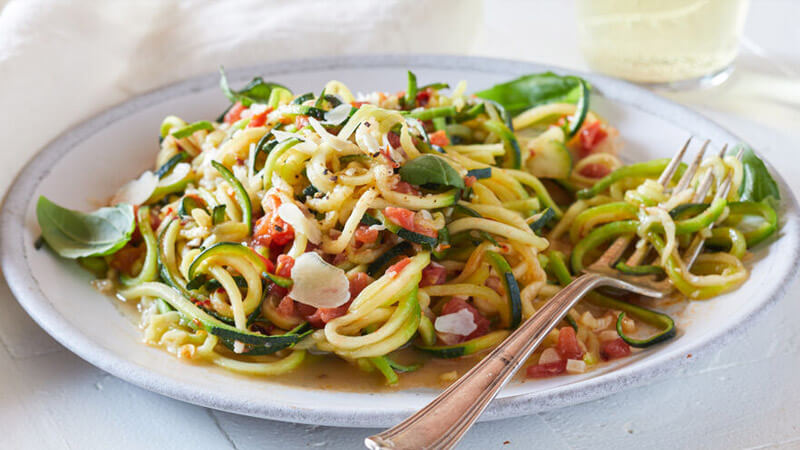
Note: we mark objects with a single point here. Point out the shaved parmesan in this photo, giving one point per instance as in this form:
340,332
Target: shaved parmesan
549,355
178,173
461,323
338,115
137,191
291,214
285,135
317,283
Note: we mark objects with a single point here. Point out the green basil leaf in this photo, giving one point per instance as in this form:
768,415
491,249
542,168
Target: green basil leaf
256,91
73,234
430,169
535,89
757,183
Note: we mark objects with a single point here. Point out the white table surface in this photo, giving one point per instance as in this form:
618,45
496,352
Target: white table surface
747,395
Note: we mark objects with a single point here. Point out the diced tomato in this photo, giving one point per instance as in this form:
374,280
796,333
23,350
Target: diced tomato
433,274
615,349
259,119
469,181
124,259
406,219
285,265
235,113
400,216
567,345
405,188
358,104
590,136
423,97
439,138
300,121
456,304
366,235
304,310
358,282
271,229
321,316
547,370
398,267
594,170
394,140
286,307
283,269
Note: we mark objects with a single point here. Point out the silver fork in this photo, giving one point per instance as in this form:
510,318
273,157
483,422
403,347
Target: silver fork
443,422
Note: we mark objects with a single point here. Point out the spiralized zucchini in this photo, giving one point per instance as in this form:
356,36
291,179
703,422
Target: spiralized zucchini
432,231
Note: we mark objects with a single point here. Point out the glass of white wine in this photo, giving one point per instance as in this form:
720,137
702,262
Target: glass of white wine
679,44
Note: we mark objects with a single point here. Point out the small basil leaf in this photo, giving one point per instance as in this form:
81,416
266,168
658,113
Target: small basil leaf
73,234
757,183
256,91
430,169
530,90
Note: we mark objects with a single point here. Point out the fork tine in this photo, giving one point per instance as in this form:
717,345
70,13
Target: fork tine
615,251
692,169
705,183
669,171
724,188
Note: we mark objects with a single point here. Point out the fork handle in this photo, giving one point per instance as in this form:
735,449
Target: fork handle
443,422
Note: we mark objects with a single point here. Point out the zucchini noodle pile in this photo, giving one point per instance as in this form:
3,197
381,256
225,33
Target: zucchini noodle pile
358,226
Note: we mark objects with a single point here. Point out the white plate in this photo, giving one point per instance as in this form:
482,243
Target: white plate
88,163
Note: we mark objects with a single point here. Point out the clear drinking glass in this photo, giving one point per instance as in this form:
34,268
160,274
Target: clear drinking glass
667,43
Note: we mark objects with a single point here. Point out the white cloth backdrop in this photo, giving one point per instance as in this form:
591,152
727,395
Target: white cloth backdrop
63,61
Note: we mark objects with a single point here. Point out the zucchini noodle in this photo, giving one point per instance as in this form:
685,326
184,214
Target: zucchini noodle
364,228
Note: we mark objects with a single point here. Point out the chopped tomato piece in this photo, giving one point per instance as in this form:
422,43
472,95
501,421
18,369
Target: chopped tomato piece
567,345
394,140
405,188
321,316
439,138
271,229
408,220
358,282
235,113
615,349
470,180
286,307
124,259
358,104
285,265
594,170
590,136
398,267
547,370
423,97
366,235
400,216
259,119
433,274
455,305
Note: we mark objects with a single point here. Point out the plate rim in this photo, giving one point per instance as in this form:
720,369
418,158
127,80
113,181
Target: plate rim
23,285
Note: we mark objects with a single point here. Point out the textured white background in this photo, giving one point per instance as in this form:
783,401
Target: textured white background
63,61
